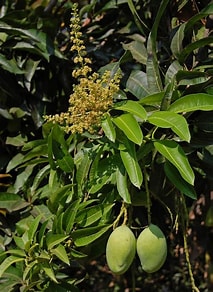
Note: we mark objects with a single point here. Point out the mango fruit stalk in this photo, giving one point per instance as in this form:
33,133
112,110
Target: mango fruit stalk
151,248
120,249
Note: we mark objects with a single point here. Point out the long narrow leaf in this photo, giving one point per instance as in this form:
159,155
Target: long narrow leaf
152,68
128,124
175,154
121,180
192,102
132,167
174,176
8,262
85,236
176,122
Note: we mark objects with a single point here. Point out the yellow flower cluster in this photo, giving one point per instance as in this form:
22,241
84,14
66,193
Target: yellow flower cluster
92,96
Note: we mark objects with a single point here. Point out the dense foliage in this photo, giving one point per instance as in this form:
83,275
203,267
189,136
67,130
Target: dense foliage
149,160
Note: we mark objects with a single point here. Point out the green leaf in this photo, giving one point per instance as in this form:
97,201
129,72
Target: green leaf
49,271
33,227
83,168
11,202
8,262
41,40
66,163
54,239
176,122
85,236
176,43
108,127
10,65
152,67
92,214
138,21
61,253
56,197
137,84
193,46
28,268
128,124
131,165
174,176
192,102
175,154
132,107
152,99
17,141
15,161
41,174
70,215
121,180
137,49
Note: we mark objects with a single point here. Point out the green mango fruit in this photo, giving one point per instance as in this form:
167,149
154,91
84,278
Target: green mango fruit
152,248
120,249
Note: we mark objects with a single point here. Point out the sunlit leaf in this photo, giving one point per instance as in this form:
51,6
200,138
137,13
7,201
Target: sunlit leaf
132,167
192,102
49,271
54,239
176,122
128,124
121,180
175,154
61,253
8,262
108,127
132,107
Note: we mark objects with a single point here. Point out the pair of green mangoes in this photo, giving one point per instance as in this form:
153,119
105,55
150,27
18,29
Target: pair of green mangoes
122,245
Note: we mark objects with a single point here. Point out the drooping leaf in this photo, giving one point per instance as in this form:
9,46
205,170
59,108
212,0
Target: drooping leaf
9,261
121,180
192,102
33,227
131,165
83,169
193,46
175,177
128,124
69,215
176,122
108,127
175,154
